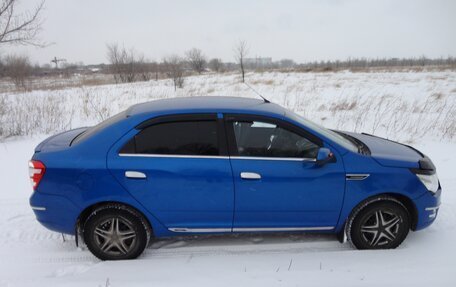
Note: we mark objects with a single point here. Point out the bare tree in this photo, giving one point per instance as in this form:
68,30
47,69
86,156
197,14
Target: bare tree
156,69
115,61
20,28
196,60
215,65
174,67
18,69
240,52
126,65
143,69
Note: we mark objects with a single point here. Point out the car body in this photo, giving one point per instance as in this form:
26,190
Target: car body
206,165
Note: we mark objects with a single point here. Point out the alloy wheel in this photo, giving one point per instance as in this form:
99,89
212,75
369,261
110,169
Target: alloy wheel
115,236
381,228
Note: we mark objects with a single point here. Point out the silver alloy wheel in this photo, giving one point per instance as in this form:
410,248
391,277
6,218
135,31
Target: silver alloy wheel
381,228
115,236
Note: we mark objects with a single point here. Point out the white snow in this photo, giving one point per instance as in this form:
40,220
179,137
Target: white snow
398,105
30,255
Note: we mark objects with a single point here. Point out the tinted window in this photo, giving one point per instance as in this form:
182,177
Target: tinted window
260,139
178,138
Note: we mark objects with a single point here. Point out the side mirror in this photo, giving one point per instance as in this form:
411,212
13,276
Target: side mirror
324,156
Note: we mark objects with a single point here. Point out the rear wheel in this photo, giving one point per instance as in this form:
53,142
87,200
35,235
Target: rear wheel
115,234
382,224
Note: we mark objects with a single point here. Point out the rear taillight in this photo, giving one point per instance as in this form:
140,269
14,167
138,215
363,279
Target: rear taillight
36,172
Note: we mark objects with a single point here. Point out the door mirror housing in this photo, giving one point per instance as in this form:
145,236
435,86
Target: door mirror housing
324,156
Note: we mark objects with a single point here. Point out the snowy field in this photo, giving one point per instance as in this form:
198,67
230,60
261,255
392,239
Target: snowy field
417,108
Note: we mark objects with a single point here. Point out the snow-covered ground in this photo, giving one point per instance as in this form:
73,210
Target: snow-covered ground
30,255
398,105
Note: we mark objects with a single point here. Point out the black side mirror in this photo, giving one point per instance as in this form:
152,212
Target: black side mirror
324,156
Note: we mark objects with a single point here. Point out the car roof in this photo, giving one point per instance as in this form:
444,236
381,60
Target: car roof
206,104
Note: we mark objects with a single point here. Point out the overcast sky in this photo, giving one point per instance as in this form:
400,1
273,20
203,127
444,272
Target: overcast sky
301,30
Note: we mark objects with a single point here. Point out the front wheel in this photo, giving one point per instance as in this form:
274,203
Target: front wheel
379,225
115,234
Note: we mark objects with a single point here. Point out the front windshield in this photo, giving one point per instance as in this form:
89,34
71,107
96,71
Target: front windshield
324,131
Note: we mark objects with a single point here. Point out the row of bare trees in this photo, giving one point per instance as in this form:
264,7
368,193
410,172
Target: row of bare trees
363,63
127,65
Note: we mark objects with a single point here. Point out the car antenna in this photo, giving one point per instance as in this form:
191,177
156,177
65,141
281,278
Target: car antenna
255,91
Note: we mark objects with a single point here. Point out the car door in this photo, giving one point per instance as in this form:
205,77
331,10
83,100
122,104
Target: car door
278,185
178,168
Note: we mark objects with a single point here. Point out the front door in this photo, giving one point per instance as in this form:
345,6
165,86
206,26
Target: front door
178,168
278,185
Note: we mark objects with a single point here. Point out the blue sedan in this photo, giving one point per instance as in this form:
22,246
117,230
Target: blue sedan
220,165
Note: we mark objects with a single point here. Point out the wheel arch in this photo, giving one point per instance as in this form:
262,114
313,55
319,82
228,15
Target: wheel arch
408,203
403,199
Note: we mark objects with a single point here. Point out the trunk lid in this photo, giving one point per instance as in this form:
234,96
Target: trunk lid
59,141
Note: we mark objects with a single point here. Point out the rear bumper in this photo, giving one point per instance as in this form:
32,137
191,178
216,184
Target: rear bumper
427,207
55,212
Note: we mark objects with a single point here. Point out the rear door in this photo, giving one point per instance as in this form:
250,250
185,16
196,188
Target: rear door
278,186
178,168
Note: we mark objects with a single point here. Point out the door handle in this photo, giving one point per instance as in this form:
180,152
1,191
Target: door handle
135,174
250,175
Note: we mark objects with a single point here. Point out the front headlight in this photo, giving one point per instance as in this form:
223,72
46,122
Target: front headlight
431,181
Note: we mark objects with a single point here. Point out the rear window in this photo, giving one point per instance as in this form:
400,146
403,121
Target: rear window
176,138
95,129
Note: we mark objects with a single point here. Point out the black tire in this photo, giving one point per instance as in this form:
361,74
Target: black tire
380,223
114,232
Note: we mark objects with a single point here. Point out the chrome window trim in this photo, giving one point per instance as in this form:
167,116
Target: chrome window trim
172,155
217,157
275,158
248,229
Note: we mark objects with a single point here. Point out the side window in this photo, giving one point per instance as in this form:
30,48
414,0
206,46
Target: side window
176,138
261,139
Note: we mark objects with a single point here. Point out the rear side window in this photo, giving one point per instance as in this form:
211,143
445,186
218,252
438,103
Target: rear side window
176,138
262,139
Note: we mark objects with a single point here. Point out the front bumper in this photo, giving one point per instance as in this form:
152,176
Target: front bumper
427,207
54,212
